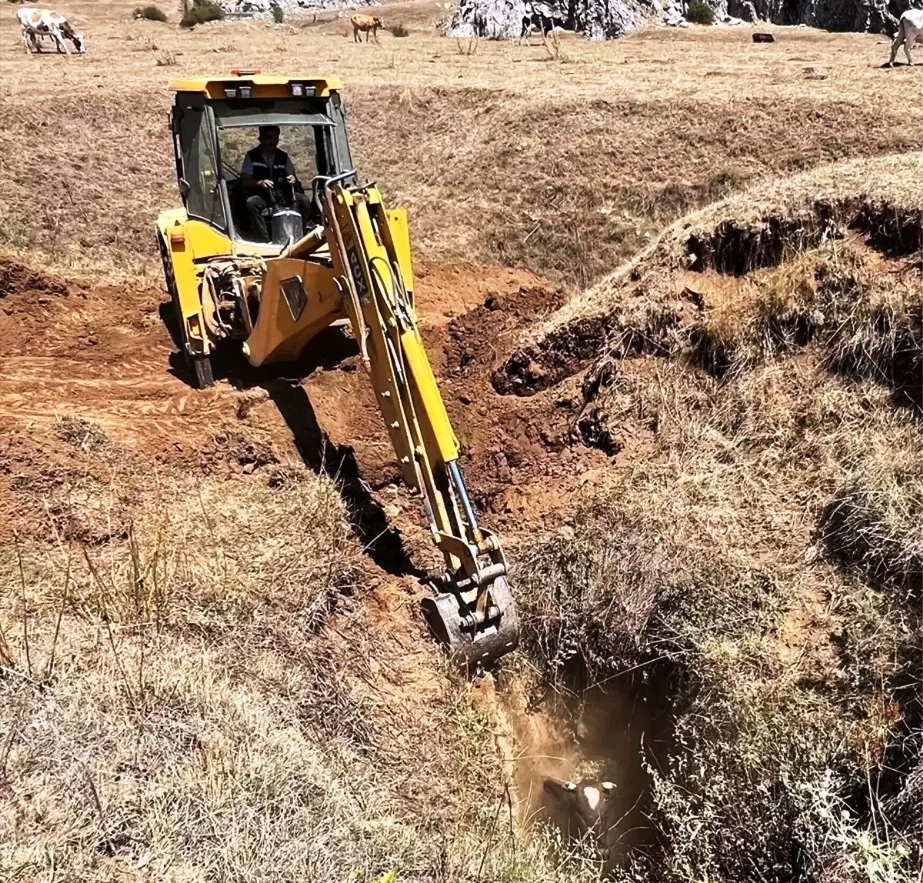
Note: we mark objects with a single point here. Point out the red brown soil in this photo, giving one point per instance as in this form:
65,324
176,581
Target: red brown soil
516,454
103,354
98,353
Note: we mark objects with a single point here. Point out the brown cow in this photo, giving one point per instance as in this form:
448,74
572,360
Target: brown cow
367,23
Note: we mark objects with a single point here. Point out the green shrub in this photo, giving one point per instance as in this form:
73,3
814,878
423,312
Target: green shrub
278,16
700,13
399,30
201,11
150,13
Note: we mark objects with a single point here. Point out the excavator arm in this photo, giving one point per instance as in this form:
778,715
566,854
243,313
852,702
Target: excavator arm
356,266
474,614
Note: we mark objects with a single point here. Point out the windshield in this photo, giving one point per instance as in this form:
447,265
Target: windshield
241,178
285,164
298,142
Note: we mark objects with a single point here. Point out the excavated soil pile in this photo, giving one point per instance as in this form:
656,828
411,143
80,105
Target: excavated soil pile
650,305
103,356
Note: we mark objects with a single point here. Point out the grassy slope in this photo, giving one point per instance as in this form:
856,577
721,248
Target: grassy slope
762,559
191,692
791,667
565,165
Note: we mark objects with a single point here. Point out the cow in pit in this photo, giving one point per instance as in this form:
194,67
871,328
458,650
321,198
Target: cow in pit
585,809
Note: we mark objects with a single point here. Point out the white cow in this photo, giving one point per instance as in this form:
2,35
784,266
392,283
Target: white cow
37,23
909,31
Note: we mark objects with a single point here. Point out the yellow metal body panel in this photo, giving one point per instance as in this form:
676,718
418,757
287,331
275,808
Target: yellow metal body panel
279,334
189,244
187,240
264,86
396,236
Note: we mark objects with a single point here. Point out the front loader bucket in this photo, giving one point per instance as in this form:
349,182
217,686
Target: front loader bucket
483,644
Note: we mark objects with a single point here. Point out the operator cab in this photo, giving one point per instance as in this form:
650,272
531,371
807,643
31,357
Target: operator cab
216,122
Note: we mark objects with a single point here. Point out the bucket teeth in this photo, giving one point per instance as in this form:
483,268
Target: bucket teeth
469,644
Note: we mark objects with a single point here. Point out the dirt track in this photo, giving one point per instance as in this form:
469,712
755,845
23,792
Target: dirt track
95,353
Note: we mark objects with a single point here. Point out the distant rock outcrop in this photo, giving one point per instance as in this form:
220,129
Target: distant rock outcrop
598,19
263,8
605,19
744,10
878,16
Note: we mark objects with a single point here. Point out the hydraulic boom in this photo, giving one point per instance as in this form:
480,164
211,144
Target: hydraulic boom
474,615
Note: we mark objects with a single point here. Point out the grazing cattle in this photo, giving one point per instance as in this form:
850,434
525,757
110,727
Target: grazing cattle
369,24
38,23
763,38
585,809
909,31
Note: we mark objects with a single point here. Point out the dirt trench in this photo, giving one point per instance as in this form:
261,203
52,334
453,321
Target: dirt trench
597,734
101,359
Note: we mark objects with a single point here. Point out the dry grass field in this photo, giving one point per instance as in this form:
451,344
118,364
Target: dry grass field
671,287
565,165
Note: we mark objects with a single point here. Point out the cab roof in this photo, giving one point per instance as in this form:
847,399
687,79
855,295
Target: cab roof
263,85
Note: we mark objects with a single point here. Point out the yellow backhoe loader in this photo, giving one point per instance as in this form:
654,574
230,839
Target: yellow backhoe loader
276,241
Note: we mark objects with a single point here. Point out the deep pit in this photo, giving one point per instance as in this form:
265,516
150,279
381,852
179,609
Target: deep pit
603,734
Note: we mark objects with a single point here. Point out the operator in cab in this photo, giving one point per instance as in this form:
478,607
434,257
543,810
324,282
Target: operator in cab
265,168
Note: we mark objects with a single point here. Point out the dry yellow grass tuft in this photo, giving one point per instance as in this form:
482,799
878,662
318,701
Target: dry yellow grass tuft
188,690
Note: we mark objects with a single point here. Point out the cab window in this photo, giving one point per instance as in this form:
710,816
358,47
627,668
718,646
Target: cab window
201,193
305,146
297,141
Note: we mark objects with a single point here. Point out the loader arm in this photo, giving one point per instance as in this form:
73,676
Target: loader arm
369,247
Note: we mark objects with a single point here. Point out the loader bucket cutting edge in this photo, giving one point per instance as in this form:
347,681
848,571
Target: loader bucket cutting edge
488,643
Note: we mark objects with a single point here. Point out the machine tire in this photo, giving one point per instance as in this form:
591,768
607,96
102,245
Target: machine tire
170,282
202,365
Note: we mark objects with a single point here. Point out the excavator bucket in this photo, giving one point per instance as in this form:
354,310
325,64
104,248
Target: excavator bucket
469,644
